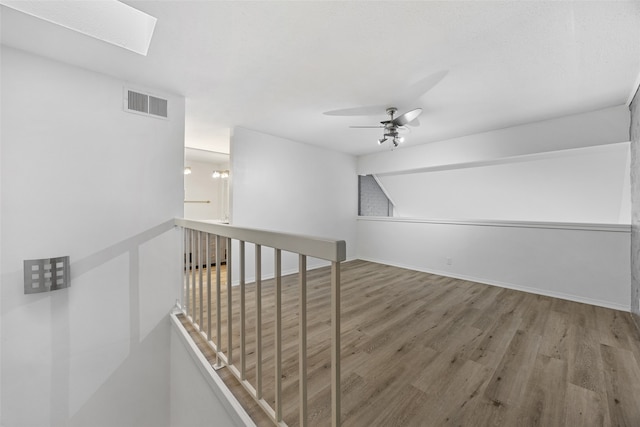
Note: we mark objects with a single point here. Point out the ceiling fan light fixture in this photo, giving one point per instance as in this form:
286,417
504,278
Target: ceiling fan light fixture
394,126
220,174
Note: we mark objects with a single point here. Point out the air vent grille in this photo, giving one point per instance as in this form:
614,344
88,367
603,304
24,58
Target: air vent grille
137,102
142,103
157,106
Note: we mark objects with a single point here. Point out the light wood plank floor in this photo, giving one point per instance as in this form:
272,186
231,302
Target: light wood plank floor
426,350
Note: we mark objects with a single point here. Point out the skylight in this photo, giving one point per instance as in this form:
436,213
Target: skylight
108,20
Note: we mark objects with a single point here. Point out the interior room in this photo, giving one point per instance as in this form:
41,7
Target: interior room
319,213
206,185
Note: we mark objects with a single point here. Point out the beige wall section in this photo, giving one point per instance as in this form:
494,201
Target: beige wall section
635,209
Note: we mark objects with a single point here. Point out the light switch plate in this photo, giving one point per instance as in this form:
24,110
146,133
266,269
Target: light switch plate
47,274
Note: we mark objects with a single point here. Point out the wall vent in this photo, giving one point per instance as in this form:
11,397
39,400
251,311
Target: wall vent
143,103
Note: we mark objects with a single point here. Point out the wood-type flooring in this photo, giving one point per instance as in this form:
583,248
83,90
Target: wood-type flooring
425,350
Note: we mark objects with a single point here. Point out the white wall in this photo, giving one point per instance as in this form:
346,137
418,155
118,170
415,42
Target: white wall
580,264
578,185
283,185
200,186
199,398
518,173
600,127
83,178
635,205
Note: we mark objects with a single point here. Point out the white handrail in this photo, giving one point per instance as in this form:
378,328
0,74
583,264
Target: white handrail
317,247
193,308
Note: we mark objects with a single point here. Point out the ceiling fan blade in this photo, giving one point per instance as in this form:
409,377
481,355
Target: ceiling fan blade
407,117
404,97
412,93
414,123
370,110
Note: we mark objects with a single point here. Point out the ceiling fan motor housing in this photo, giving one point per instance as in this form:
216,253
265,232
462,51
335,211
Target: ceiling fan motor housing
393,125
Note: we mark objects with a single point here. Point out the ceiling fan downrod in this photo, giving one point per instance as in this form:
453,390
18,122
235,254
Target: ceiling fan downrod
391,129
391,111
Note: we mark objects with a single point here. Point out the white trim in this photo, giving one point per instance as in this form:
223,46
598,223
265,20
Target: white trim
569,297
219,388
617,228
316,247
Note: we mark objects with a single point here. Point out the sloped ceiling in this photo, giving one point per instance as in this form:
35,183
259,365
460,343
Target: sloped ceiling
277,66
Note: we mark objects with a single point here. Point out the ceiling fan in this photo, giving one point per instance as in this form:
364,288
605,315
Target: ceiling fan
396,125
403,97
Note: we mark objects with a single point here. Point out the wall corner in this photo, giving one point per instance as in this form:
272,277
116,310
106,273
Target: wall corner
634,131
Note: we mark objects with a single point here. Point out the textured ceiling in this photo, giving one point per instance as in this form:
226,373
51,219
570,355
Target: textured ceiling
276,67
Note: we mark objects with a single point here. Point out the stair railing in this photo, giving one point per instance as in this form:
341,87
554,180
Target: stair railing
197,238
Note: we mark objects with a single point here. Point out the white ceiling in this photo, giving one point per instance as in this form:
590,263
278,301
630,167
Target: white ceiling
277,66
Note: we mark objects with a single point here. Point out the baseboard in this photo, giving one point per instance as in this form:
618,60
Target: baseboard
219,388
568,297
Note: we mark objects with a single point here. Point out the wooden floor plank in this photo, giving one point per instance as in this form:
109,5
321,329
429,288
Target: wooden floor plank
464,389
585,361
512,374
545,394
495,341
622,377
555,337
536,315
613,327
425,350
585,408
